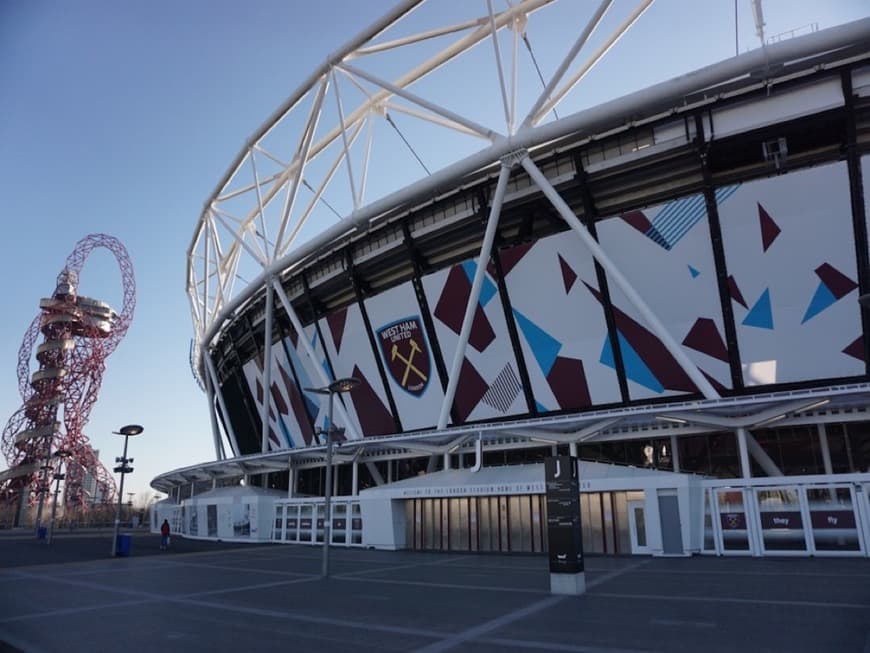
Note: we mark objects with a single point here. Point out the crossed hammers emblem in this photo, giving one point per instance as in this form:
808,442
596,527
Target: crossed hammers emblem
409,361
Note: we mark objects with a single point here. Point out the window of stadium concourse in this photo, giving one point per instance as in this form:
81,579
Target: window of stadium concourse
710,454
850,447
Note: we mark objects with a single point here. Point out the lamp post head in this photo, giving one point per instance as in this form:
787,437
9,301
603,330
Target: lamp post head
339,385
62,453
130,429
344,385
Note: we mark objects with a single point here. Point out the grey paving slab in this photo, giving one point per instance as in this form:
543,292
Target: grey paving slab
208,597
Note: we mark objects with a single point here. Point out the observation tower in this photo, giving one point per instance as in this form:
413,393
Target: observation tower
78,334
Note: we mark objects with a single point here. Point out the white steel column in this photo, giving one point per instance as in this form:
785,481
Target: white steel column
614,273
675,452
761,457
212,374
291,479
354,483
219,452
745,469
376,475
267,368
477,284
826,451
350,429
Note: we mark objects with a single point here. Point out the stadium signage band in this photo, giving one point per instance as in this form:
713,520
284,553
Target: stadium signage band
476,490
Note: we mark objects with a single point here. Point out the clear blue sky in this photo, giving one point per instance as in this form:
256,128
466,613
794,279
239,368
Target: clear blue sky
120,117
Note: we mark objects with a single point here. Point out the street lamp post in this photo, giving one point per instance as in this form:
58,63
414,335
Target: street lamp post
123,468
339,385
61,455
44,485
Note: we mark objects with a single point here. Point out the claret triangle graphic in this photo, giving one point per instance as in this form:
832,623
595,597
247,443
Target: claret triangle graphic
833,285
769,229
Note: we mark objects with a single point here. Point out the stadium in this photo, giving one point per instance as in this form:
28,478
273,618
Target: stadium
665,285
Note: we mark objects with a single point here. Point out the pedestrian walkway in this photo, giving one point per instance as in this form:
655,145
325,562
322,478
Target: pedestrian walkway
230,597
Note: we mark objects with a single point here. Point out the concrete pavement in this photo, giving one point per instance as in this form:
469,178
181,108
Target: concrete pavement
229,597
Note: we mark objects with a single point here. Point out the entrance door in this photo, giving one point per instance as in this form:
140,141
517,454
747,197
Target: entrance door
672,529
731,509
637,527
834,520
780,520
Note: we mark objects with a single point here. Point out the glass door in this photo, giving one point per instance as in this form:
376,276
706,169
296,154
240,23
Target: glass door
278,528
710,537
833,519
734,534
781,521
637,527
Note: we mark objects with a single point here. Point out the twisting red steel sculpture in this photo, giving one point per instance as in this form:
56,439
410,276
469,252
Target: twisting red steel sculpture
78,333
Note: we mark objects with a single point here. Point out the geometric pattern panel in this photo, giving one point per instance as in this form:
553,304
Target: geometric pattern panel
665,255
484,389
559,325
647,361
450,308
503,391
290,415
790,248
674,219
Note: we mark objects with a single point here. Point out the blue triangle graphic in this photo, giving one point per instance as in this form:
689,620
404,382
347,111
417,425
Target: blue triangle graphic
606,357
635,369
287,436
541,408
760,315
693,272
544,346
310,406
487,289
820,301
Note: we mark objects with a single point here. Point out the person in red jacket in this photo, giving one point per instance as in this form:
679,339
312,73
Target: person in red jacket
164,535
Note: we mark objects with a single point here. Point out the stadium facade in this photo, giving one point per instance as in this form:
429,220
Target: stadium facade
665,286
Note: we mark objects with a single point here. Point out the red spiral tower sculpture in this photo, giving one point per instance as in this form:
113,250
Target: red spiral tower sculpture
78,333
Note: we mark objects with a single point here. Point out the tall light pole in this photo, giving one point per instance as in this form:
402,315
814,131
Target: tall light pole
123,468
61,455
44,485
339,385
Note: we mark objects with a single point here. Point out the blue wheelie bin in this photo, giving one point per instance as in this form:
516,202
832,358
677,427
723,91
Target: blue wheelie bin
123,546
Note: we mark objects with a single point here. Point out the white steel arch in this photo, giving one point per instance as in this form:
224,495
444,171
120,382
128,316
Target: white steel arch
323,139
316,156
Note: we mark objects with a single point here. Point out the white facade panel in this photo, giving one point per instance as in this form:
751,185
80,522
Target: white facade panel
790,250
778,107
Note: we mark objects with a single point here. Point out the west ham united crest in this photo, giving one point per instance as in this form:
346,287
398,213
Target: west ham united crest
406,354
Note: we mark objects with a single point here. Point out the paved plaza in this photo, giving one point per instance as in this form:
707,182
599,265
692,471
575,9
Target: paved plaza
207,596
